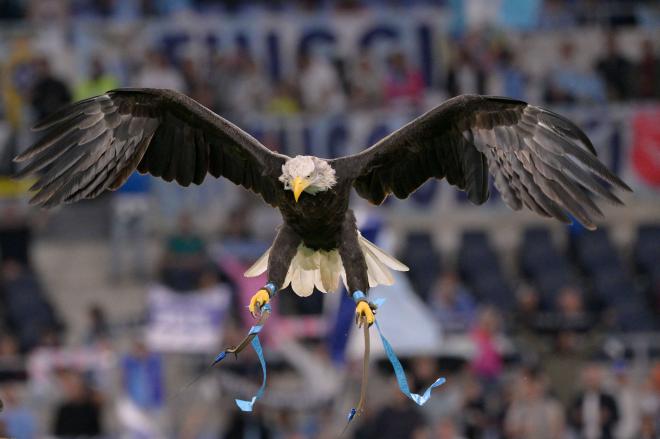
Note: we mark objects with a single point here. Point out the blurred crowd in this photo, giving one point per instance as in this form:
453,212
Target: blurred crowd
235,83
550,343
555,13
565,369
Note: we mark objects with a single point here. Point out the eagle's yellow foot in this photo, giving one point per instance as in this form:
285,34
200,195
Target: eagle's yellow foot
364,312
258,300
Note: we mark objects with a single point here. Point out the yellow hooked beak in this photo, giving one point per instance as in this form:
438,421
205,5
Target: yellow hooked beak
299,185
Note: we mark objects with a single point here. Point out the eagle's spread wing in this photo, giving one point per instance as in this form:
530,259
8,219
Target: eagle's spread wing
95,144
538,158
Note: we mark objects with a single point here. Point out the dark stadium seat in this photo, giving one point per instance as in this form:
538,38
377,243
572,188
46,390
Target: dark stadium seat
595,252
613,286
479,266
424,261
543,265
549,282
634,317
647,248
492,288
476,255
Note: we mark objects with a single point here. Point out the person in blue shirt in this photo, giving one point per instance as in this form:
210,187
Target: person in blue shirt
19,420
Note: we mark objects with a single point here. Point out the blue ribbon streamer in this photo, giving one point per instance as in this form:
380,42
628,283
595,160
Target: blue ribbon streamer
398,368
246,406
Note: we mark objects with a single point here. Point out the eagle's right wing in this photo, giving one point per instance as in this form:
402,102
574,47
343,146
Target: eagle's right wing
95,144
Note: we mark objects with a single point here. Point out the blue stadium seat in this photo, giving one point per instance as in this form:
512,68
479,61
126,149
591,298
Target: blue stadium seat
595,252
424,261
543,265
647,248
480,268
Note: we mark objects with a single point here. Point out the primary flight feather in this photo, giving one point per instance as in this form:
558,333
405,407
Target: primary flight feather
538,159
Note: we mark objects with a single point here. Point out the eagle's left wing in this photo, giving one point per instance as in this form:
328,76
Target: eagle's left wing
538,158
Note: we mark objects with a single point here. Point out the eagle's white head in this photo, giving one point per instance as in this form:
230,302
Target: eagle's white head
307,173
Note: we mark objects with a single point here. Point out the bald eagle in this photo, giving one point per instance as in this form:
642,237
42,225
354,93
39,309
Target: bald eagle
538,159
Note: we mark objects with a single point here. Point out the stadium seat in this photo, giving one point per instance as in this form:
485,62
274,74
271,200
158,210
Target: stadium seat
424,261
480,268
647,248
543,265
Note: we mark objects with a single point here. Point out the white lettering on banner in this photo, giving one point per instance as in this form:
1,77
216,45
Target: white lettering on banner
190,322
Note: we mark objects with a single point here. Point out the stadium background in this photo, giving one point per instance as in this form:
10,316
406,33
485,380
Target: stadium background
109,307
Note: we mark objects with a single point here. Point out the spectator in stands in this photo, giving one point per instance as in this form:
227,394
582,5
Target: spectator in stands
158,72
524,326
19,419
15,234
254,425
556,14
12,10
16,80
283,101
465,75
404,83
249,90
397,420
12,366
424,371
319,83
446,428
475,415
487,361
628,398
99,328
615,70
49,92
365,84
98,81
81,411
196,85
452,304
507,78
532,413
566,83
528,302
647,72
571,312
569,351
48,12
143,384
650,404
29,312
185,256
129,228
594,413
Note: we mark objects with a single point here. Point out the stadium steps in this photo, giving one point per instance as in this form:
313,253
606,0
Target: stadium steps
75,275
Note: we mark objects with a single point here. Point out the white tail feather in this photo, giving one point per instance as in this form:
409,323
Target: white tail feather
259,266
323,269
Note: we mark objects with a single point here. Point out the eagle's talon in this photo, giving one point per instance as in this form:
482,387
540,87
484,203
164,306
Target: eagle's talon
260,298
364,311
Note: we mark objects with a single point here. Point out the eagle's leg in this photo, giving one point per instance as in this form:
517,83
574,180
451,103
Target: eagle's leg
356,269
284,249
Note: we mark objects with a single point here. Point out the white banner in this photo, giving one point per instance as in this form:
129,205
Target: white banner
188,322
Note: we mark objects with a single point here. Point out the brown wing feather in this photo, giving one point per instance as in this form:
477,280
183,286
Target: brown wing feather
95,145
538,159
